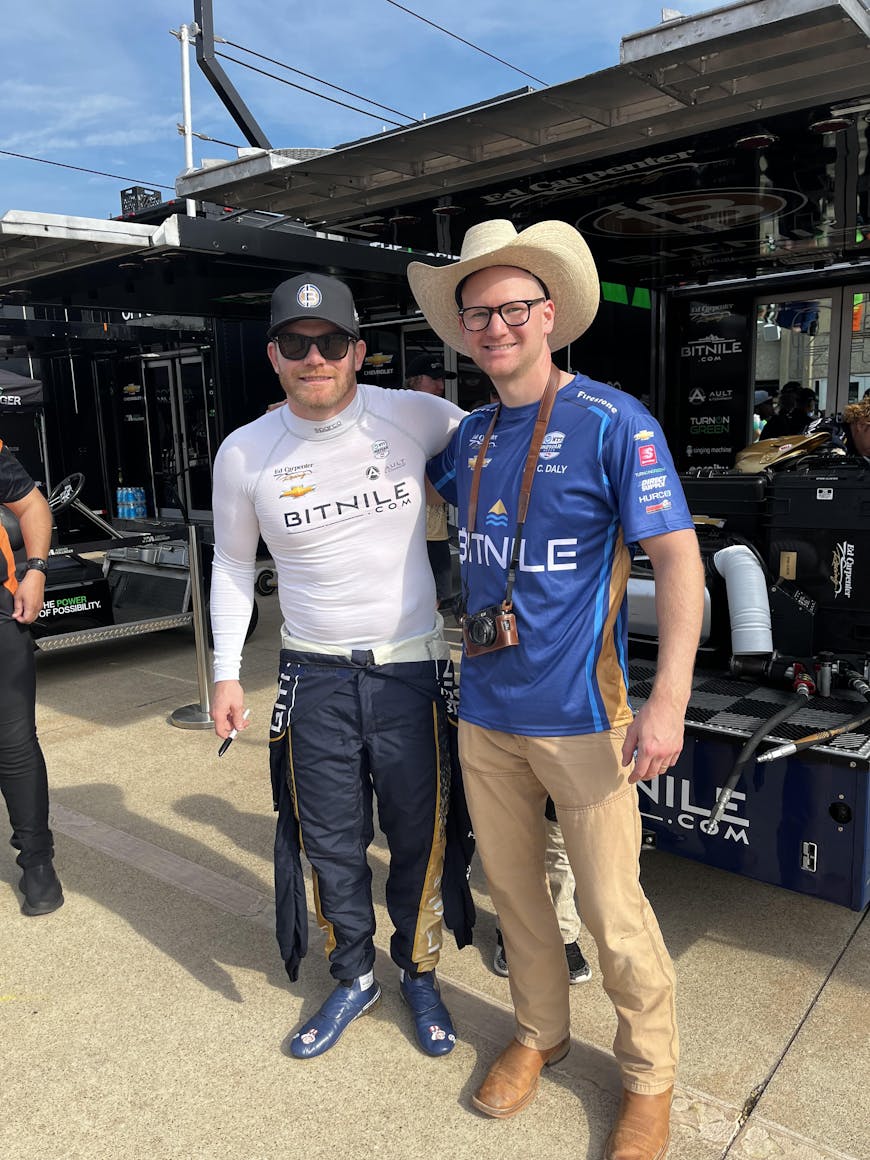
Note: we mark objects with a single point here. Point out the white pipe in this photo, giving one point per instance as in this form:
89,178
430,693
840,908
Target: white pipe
748,605
184,37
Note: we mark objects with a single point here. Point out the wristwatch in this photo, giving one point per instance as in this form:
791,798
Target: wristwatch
37,564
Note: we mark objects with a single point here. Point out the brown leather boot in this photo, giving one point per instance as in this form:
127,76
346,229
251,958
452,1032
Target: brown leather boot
512,1081
642,1129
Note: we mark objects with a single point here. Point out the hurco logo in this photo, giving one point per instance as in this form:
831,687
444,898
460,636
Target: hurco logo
842,563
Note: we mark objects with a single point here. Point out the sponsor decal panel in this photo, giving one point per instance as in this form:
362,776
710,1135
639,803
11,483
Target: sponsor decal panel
842,566
670,799
376,501
646,455
551,445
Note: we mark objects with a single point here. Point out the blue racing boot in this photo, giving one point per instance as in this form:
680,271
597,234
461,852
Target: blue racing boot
432,1020
325,1028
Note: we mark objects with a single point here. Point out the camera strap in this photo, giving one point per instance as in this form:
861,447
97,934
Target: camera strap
543,418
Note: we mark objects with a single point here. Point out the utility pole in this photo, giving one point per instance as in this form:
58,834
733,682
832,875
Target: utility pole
186,34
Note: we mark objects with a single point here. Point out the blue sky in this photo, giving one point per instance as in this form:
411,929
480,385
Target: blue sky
98,84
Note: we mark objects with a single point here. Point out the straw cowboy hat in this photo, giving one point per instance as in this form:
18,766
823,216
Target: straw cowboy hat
553,251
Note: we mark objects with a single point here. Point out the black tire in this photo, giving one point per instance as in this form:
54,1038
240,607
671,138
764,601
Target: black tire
265,583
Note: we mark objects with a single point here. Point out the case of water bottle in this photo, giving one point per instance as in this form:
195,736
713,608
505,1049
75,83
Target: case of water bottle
131,503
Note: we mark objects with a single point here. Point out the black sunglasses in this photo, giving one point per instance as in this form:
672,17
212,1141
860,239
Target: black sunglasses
296,346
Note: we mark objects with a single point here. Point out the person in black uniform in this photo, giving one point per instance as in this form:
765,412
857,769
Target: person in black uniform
23,778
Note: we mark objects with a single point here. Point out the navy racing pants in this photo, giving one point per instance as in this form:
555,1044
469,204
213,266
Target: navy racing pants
343,732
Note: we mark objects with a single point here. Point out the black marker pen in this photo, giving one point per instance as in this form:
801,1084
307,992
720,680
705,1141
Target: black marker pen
233,734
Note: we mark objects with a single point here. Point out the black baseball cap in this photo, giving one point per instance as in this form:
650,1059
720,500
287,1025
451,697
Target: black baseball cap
313,296
427,364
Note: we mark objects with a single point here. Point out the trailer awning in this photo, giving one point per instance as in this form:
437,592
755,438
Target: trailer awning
738,64
223,267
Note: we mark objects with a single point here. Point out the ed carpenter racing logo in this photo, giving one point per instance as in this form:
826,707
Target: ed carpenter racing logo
842,563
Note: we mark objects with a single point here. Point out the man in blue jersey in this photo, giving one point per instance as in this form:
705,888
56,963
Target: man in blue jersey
543,706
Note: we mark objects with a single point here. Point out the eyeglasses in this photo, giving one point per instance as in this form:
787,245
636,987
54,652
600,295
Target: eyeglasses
296,346
511,313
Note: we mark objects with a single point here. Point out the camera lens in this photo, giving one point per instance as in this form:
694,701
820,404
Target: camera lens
481,630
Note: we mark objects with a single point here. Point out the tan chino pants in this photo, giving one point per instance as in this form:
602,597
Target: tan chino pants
507,778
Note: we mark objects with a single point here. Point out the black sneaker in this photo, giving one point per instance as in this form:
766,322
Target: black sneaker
579,970
41,888
499,962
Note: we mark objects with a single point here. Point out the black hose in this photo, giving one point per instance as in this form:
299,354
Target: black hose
856,682
711,824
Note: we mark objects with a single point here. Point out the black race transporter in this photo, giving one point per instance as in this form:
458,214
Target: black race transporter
774,779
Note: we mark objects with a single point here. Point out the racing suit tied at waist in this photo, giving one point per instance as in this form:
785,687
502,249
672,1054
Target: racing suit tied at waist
428,646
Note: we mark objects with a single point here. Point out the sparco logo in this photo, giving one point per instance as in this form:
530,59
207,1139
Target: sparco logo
842,563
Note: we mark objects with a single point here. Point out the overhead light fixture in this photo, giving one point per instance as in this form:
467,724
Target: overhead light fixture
852,105
833,123
130,264
761,139
403,219
448,210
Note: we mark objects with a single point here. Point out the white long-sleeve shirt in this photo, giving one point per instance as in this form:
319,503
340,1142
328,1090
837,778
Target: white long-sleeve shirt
341,507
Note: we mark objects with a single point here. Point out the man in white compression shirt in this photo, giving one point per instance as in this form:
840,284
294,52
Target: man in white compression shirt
333,483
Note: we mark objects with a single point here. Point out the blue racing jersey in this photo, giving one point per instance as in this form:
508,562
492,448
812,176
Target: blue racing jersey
604,480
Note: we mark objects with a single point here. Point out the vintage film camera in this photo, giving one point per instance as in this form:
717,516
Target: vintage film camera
489,629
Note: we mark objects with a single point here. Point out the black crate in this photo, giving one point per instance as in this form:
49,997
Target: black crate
737,501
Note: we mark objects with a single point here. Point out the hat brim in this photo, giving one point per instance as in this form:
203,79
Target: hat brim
553,251
276,326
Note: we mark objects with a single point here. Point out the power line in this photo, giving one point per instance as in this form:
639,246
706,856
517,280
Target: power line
311,77
311,92
82,169
476,47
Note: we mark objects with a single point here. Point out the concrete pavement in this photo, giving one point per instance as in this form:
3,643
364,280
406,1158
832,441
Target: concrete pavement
148,1017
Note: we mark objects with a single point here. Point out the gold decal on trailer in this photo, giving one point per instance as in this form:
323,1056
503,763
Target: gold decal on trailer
788,565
